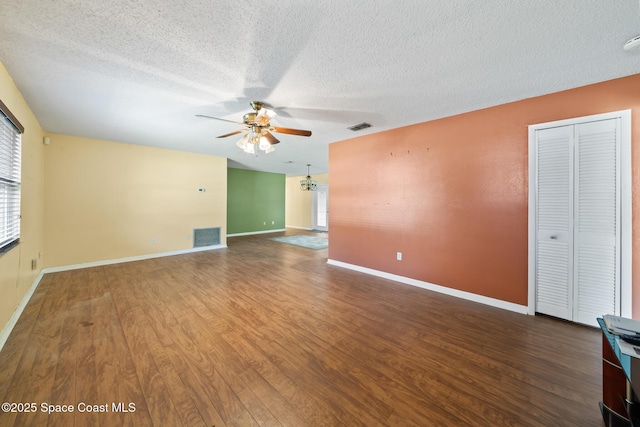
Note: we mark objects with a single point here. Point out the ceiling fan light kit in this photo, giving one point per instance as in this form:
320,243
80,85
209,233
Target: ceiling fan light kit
249,142
259,128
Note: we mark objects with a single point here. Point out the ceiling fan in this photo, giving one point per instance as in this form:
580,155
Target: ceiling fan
258,129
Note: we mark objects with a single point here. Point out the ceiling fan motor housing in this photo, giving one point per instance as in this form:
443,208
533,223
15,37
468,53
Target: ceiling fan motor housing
249,118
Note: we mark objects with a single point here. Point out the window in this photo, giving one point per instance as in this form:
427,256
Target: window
10,136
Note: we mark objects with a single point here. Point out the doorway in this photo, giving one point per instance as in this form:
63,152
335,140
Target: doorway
320,208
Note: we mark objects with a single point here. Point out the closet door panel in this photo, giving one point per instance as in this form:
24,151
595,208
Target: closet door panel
554,214
597,219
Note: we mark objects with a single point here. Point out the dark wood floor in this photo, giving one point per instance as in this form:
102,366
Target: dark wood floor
265,333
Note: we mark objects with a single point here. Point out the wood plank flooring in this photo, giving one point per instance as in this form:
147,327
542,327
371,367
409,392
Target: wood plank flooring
267,334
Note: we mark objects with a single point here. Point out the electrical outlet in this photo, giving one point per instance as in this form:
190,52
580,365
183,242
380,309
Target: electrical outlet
264,223
153,240
273,223
399,256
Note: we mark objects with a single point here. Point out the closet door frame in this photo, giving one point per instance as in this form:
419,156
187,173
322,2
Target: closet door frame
625,204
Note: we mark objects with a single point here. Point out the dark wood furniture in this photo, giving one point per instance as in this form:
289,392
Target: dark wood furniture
620,382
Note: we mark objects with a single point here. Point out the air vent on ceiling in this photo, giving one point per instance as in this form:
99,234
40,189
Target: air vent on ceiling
359,126
206,237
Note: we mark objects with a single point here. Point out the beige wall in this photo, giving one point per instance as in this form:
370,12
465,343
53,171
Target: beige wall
107,200
298,203
16,275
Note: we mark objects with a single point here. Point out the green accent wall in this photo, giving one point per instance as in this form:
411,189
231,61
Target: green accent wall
254,201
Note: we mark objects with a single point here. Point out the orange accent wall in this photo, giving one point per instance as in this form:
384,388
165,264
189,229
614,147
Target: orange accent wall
452,194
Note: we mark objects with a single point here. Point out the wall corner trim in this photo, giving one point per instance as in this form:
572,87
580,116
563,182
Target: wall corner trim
505,305
4,336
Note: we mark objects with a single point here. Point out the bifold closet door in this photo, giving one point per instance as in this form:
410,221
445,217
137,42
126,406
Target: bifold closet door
577,221
597,220
554,215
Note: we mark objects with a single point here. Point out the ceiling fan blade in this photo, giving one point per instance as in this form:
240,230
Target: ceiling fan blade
290,131
272,139
229,134
217,118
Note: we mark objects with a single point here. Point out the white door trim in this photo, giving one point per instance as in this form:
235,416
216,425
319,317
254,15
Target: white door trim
626,219
314,208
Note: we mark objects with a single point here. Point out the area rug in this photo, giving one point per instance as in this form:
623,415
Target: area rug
306,241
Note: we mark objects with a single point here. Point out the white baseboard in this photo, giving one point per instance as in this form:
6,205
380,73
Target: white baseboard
522,309
4,336
299,228
129,259
250,233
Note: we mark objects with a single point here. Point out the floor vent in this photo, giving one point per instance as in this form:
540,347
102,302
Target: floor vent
206,237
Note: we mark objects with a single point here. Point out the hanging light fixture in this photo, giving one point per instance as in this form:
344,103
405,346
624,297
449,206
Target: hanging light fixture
258,128
254,138
308,184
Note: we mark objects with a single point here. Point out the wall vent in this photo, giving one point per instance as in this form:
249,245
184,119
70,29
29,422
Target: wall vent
359,126
206,237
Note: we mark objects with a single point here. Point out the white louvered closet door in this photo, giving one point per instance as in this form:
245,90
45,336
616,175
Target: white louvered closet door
577,221
554,248
597,213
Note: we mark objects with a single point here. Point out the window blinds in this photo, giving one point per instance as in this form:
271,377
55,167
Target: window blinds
9,183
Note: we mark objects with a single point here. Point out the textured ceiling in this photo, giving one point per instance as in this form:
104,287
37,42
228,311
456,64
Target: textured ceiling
138,71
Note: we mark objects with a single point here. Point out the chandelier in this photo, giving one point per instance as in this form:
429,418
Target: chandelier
308,184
